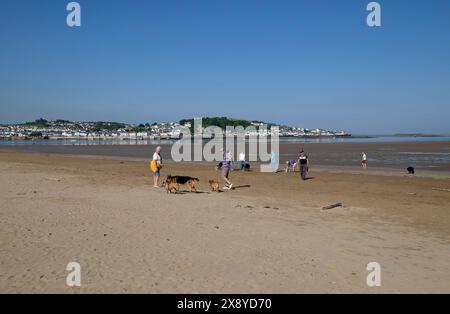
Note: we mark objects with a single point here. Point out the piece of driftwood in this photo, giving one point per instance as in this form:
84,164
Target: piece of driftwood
332,206
442,190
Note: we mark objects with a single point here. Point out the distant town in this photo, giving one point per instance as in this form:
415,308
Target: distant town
64,129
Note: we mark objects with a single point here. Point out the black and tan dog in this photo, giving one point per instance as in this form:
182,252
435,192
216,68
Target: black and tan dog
190,182
170,186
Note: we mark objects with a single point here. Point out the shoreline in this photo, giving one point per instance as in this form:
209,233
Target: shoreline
384,171
283,139
425,157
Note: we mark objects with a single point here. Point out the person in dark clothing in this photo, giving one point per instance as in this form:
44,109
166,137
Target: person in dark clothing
304,164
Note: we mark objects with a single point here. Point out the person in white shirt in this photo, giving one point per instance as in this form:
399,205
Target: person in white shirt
242,160
364,160
157,161
304,164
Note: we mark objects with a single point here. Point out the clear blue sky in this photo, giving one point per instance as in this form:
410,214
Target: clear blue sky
302,63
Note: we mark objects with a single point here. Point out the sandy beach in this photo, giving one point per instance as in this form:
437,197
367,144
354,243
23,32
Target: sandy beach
269,235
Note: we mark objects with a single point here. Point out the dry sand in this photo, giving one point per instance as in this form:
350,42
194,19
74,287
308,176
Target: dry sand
270,235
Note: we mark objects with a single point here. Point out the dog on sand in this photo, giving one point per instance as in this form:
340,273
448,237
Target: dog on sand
213,185
169,186
190,182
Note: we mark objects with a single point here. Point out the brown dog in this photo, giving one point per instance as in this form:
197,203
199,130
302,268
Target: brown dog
181,180
191,184
169,186
213,185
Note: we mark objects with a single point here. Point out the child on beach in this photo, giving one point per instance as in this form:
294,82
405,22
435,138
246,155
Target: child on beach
364,160
242,161
226,165
274,162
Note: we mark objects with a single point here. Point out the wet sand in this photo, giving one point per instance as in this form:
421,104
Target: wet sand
429,156
269,235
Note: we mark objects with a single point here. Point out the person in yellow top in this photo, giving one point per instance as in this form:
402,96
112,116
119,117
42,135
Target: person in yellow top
156,165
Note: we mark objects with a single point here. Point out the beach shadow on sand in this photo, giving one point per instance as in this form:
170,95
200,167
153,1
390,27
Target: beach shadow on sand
193,192
184,192
241,186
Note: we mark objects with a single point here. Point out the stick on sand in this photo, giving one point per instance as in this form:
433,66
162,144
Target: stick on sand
442,190
332,206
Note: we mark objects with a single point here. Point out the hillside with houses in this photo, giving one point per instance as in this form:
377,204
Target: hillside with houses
64,129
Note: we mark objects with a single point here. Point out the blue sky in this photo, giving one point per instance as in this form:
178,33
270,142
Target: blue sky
301,63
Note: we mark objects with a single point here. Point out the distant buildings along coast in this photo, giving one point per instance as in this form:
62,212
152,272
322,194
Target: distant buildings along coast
64,129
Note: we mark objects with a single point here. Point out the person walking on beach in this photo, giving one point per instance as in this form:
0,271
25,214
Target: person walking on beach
156,165
242,161
231,162
274,162
304,164
364,160
226,165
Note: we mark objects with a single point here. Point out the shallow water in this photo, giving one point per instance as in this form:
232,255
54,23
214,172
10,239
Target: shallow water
287,140
426,155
